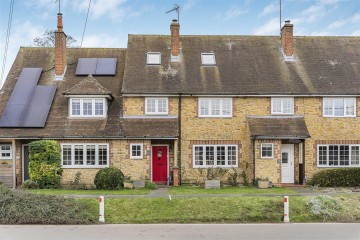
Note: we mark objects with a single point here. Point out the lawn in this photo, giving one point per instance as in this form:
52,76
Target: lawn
141,191
247,209
184,190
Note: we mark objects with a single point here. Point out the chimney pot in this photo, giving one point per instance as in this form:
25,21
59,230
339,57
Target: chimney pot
287,22
174,20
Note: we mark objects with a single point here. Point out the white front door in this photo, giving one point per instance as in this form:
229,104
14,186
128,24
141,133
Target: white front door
287,163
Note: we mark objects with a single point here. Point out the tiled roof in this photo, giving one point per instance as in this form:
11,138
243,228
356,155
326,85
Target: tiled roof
245,65
282,127
156,128
87,86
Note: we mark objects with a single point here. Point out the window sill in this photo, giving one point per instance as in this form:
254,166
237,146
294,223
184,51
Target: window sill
215,116
136,158
215,166
338,166
339,116
87,118
84,166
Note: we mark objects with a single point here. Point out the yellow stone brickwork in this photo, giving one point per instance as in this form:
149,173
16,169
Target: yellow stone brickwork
135,106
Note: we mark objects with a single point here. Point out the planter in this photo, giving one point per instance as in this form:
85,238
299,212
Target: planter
139,183
263,184
212,184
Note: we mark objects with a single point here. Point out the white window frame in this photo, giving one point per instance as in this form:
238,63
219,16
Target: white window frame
333,107
282,100
272,150
93,101
5,151
141,151
327,156
156,112
215,154
203,58
210,104
153,54
96,165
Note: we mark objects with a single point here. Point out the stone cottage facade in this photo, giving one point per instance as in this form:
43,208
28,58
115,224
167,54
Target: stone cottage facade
169,107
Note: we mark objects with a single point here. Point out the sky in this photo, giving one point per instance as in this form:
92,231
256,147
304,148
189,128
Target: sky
110,21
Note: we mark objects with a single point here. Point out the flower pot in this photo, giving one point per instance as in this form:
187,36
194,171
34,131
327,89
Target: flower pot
212,183
263,184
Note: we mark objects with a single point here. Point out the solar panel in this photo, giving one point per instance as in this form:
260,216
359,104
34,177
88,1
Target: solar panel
96,66
86,66
39,106
29,76
106,66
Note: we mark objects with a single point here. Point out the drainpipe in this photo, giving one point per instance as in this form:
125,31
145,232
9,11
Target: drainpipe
179,139
254,158
13,143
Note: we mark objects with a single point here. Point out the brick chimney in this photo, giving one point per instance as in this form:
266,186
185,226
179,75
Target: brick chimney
60,49
175,40
287,42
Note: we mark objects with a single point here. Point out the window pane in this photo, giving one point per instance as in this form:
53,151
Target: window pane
136,150
232,155
199,156
276,105
354,155
266,150
339,107
226,107
208,59
328,106
75,107
87,107
285,157
322,155
150,106
99,107
209,155
344,155
288,105
215,107
66,155
350,107
79,154
153,58
162,105
333,155
90,154
204,107
220,155
102,154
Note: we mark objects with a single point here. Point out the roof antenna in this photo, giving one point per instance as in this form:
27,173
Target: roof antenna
280,17
177,9
59,4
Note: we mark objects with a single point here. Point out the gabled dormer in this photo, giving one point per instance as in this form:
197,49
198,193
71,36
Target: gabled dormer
88,99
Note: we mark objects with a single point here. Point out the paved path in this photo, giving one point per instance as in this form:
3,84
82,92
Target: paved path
288,231
164,193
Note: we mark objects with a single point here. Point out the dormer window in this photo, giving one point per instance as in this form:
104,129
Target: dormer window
208,59
153,58
88,107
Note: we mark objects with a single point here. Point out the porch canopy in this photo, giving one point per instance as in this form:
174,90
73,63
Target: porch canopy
277,127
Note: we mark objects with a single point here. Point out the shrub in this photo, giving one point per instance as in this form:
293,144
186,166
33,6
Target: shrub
339,177
21,207
150,185
28,184
109,178
45,165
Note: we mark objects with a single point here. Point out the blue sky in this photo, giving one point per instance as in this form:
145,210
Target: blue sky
110,21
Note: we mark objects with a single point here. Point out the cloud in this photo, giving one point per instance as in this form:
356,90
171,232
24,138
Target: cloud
271,27
272,7
102,40
232,13
189,4
354,19
356,33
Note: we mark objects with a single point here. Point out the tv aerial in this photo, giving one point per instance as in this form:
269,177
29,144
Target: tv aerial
177,9
59,1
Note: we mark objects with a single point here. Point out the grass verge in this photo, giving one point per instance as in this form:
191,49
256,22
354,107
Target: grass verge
184,190
142,191
225,210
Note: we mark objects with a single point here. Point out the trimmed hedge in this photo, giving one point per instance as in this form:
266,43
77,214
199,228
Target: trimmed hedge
339,177
109,179
21,207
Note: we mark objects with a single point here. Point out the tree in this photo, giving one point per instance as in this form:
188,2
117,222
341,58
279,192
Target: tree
45,163
48,40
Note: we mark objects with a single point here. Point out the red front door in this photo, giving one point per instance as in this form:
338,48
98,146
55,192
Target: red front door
159,164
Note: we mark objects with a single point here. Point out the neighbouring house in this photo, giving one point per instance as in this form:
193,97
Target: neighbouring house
280,108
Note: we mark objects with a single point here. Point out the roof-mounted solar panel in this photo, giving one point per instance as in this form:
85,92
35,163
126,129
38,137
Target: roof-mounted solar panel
96,66
29,76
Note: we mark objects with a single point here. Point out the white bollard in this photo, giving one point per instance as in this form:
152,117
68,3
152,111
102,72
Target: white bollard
286,209
102,209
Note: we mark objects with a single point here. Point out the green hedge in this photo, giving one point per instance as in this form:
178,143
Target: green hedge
45,163
21,207
109,179
339,177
